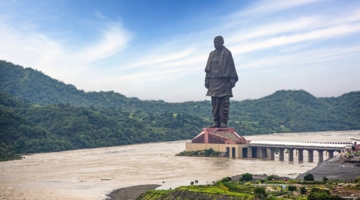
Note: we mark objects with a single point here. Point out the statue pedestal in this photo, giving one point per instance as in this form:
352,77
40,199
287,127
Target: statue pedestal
219,136
224,140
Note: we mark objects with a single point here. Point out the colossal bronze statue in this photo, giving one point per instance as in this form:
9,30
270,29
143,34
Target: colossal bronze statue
220,78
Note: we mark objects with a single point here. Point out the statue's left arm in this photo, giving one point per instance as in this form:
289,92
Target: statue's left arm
231,70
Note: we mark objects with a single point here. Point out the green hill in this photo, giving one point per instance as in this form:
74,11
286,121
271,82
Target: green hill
36,87
298,111
40,114
32,128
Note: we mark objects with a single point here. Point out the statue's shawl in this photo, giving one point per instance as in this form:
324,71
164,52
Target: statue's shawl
226,62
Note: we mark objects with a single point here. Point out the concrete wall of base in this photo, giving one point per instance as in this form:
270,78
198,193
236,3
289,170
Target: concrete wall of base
233,148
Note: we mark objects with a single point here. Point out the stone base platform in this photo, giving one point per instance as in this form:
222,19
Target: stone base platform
220,139
219,136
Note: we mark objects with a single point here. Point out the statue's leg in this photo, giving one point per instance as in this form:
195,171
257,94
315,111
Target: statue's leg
224,111
216,102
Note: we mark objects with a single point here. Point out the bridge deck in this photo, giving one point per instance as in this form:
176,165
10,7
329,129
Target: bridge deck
291,144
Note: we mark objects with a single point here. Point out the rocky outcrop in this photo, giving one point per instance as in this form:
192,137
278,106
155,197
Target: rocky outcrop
337,168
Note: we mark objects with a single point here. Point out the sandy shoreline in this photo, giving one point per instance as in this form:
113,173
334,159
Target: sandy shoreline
130,193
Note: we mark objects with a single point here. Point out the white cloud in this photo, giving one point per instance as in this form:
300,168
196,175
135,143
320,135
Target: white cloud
305,58
28,48
159,57
113,39
271,6
33,49
99,15
325,33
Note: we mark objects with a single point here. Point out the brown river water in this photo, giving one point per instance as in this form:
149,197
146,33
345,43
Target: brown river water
91,173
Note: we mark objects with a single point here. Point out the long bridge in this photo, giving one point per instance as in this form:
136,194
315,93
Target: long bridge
267,149
235,146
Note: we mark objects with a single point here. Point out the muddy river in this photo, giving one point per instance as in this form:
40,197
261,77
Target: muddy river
91,173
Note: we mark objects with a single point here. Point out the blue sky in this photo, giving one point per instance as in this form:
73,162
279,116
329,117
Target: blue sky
158,49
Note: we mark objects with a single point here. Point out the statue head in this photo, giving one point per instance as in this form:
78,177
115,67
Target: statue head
218,42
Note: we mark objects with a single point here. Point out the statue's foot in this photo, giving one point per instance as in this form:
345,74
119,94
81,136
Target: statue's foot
215,125
223,125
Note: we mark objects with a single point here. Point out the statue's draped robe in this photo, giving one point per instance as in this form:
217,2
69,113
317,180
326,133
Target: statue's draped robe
220,71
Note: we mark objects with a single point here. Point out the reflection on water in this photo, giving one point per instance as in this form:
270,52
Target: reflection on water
91,173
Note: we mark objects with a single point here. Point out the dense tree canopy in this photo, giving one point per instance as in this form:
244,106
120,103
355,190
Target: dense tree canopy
30,128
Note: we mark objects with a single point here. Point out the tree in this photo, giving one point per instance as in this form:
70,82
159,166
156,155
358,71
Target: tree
318,194
303,190
325,179
225,179
246,177
209,152
292,188
271,177
309,177
259,192
357,179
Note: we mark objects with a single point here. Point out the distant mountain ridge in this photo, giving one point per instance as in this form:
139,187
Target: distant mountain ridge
36,87
40,114
280,108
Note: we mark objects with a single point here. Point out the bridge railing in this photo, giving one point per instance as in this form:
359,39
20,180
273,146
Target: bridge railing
301,143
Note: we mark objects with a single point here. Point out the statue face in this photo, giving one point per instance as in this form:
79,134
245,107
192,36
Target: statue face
218,43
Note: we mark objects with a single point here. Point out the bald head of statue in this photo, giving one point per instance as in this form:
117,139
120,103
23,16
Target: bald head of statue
219,42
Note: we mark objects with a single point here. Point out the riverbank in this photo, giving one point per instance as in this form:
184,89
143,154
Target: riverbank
79,174
129,193
337,168
272,187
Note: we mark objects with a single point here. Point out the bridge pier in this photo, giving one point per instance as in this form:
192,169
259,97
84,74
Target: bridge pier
310,155
272,153
301,154
321,155
263,153
266,149
252,152
291,154
281,154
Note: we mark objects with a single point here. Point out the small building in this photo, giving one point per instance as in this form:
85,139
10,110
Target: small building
223,140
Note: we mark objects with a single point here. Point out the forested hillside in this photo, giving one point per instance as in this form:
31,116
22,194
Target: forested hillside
31,128
40,114
297,111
